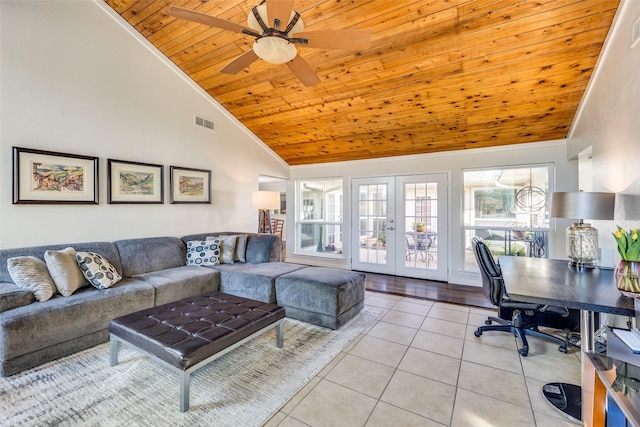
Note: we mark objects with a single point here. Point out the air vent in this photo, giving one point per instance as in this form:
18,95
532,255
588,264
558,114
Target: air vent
635,33
205,123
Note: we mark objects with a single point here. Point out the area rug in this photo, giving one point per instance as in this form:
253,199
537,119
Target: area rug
242,388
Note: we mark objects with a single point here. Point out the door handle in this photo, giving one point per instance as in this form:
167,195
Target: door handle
390,228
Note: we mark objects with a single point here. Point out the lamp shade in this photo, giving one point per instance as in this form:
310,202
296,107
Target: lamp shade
627,207
265,200
582,205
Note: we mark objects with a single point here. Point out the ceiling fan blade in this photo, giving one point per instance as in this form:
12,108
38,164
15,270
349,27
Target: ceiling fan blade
335,39
280,10
241,62
303,71
203,18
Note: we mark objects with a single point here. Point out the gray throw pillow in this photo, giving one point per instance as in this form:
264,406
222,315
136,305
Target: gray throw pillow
29,272
65,271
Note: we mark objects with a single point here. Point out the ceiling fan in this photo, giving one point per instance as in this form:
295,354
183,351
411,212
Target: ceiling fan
277,29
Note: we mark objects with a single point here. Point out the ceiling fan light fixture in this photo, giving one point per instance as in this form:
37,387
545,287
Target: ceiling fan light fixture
274,50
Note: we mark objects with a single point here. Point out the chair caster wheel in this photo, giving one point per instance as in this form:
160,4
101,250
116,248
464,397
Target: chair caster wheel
562,349
477,332
523,352
487,322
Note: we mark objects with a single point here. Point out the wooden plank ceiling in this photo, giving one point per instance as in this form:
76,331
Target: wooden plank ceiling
439,75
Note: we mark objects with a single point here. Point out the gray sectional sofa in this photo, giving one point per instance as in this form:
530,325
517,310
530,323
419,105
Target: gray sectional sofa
153,273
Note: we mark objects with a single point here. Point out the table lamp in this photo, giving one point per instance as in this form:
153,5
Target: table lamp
265,201
582,238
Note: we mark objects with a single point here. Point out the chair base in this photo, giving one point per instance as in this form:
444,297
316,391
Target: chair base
520,329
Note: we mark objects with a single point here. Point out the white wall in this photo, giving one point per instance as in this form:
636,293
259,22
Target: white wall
73,79
453,163
609,117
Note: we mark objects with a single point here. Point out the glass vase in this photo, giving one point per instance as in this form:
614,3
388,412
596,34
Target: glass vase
627,276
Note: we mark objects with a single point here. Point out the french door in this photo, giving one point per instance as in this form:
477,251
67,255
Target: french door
400,225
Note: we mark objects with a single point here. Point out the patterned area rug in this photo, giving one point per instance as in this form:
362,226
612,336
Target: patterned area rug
242,388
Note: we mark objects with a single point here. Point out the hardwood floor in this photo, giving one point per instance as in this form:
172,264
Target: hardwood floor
427,289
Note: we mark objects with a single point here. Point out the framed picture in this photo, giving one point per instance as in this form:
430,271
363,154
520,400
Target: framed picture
48,177
190,185
131,182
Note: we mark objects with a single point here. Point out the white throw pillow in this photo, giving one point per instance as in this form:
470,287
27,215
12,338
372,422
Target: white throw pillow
64,270
97,270
203,252
31,273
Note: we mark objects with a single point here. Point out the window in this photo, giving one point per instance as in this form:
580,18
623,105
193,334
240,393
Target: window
319,217
508,208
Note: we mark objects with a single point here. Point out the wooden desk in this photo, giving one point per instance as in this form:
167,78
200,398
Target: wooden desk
548,281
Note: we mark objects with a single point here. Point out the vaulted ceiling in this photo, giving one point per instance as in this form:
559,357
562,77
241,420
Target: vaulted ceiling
439,75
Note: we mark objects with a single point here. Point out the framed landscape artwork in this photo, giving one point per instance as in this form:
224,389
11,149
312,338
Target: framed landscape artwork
190,185
132,182
48,177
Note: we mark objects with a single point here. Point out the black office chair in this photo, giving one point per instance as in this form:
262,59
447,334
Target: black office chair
523,322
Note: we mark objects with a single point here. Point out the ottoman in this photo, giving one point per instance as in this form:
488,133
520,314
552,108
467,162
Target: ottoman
194,331
323,296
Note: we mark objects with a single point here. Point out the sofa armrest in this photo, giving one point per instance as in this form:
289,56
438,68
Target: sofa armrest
12,296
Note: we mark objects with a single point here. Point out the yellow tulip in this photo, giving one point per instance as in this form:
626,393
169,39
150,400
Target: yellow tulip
635,235
618,234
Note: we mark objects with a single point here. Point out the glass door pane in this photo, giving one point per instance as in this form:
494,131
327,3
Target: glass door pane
423,209
374,221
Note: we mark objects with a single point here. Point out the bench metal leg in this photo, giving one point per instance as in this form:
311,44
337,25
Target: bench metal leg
113,352
184,391
280,330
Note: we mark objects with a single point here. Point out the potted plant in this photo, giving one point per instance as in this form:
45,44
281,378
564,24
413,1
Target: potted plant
626,273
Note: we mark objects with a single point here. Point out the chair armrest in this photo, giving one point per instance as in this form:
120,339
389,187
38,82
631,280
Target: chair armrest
563,311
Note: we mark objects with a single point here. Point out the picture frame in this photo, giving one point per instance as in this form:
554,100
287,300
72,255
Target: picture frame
50,177
190,185
134,182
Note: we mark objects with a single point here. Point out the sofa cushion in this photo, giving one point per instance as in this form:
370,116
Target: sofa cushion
64,270
176,283
11,296
31,273
97,270
254,281
264,248
203,253
143,255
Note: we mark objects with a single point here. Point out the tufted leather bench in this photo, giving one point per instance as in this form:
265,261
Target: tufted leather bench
189,333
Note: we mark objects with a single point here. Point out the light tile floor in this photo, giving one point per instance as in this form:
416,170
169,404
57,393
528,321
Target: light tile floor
419,364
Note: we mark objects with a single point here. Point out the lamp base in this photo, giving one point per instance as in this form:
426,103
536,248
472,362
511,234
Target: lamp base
264,221
578,265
